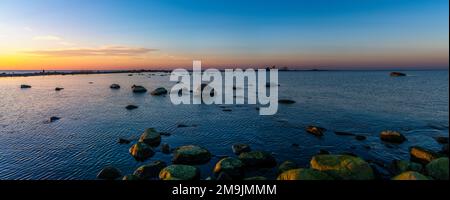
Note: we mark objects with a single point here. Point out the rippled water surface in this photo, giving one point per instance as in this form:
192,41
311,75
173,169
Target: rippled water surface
93,117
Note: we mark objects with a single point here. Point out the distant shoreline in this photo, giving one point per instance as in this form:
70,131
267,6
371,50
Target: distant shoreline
62,73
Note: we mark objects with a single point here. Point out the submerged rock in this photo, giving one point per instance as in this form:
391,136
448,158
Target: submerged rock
344,133
138,89
286,101
400,166
343,167
392,137
141,151
159,91
109,173
233,167
397,74
131,107
191,154
150,171
411,176
165,148
315,130
258,159
240,148
25,86
303,174
114,86
150,137
180,172
438,168
442,140
422,155
286,166
124,141
360,137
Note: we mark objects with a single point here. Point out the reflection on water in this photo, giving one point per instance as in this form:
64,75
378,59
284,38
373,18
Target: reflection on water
93,117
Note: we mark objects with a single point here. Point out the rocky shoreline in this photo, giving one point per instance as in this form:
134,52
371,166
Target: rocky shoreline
424,164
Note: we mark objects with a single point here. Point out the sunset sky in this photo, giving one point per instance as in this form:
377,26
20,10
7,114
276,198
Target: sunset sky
135,34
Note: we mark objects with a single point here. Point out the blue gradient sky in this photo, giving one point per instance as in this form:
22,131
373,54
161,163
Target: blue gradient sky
170,33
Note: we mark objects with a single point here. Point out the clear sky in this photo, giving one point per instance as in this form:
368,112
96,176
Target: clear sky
135,34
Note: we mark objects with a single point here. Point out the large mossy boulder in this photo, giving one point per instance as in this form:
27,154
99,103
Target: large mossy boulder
392,137
303,174
411,176
109,173
141,151
258,159
231,166
343,167
438,168
180,172
150,137
159,91
191,155
422,155
150,171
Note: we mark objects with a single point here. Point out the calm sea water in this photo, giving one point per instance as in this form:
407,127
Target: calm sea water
93,117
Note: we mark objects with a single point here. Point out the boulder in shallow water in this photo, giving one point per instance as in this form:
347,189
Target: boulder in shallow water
138,89
400,166
131,107
392,137
141,151
109,173
159,91
343,167
150,137
303,174
165,148
191,155
240,148
233,167
438,168
422,155
258,159
286,166
54,119
180,172
25,86
397,74
411,176
114,86
150,171
315,130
